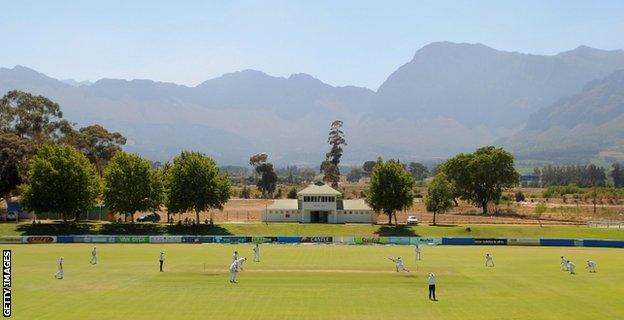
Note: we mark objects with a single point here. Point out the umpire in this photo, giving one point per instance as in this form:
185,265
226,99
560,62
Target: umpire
432,285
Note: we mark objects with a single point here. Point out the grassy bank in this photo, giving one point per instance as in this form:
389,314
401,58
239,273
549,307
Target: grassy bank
275,229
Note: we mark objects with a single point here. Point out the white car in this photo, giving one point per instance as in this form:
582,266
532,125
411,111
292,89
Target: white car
412,220
11,216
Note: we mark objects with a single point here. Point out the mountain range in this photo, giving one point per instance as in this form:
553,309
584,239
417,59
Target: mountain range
451,97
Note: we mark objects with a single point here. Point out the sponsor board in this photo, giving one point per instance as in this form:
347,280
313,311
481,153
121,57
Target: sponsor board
95,239
423,241
11,239
398,240
344,240
39,239
198,239
263,239
490,241
603,243
557,242
523,242
132,239
289,239
371,240
458,241
165,239
316,239
231,239
65,239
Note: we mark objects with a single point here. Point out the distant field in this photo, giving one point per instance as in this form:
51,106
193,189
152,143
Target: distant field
275,229
314,282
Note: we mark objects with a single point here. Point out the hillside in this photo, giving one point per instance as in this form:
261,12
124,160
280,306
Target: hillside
576,127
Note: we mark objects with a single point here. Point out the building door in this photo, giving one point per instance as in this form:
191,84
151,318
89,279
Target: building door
319,216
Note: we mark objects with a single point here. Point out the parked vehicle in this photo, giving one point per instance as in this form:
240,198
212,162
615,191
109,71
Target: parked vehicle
12,216
153,217
413,220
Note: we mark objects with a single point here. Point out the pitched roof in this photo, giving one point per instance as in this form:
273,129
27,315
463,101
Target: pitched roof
284,204
322,190
355,204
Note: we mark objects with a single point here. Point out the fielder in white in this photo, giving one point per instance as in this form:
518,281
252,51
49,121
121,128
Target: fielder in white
234,267
400,266
564,264
93,256
571,267
417,250
59,273
489,260
256,253
591,265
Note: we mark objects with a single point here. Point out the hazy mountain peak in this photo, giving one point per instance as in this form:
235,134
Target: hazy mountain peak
75,83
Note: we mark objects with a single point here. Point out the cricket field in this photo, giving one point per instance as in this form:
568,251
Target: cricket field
313,282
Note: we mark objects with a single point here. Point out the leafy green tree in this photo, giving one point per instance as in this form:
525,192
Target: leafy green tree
31,117
268,178
418,170
355,175
196,184
60,180
618,175
390,189
368,167
292,194
329,167
97,143
245,192
439,196
480,177
14,154
131,185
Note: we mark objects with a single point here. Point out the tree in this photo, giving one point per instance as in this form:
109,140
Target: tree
31,117
14,154
131,185
196,184
268,178
390,189
418,170
439,195
480,177
97,143
355,175
329,167
618,175
368,167
60,180
292,194
308,175
245,192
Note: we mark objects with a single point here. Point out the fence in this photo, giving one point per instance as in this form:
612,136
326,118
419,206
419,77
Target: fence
312,240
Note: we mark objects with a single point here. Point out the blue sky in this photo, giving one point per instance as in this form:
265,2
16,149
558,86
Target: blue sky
340,42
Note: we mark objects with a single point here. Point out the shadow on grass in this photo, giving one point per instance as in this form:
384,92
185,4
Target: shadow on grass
396,231
57,228
132,228
202,229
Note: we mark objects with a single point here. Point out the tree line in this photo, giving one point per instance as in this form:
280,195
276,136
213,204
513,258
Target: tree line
584,176
57,168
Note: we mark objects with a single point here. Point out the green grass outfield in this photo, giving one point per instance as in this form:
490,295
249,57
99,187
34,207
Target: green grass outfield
278,229
314,282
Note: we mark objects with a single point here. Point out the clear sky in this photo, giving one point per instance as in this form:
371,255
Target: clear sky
340,42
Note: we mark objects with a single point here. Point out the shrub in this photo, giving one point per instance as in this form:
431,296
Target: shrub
519,196
540,208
